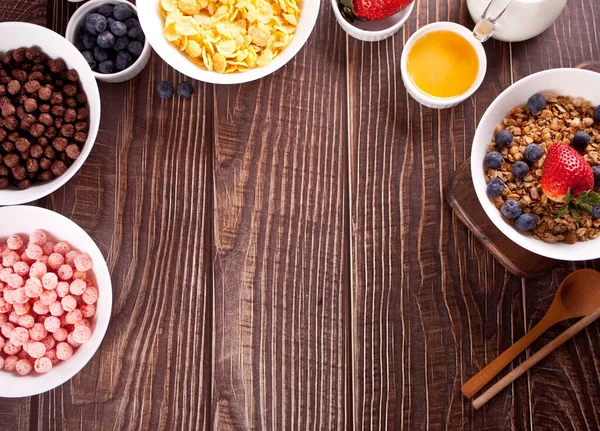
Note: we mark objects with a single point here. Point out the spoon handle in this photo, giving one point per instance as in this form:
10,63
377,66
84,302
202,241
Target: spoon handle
491,370
535,358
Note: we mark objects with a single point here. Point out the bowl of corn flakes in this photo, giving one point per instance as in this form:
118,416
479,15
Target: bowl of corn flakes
227,41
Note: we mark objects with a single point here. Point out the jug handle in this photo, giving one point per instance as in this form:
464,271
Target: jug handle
486,25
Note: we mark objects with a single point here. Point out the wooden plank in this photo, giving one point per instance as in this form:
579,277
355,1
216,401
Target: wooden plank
430,304
33,11
281,340
565,388
144,195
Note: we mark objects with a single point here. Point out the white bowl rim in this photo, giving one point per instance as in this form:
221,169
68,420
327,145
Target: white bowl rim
100,271
461,31
559,251
309,7
373,33
78,16
40,190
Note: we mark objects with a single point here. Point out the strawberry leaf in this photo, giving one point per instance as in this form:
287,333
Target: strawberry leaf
576,206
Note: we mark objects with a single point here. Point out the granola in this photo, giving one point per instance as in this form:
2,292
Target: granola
559,121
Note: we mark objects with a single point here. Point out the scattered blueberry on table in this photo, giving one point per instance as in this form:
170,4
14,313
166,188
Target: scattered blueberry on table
503,138
111,38
185,89
165,89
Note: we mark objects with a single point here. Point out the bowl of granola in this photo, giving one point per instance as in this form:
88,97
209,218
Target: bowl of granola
535,163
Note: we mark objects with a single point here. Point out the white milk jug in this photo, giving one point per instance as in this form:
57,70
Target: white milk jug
513,20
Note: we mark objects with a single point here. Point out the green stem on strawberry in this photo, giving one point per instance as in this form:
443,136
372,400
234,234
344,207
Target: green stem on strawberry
575,206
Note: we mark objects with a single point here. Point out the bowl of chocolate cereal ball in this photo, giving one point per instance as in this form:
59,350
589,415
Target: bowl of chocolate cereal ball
535,163
49,112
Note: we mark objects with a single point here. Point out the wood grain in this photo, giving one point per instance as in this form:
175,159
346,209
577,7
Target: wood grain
281,330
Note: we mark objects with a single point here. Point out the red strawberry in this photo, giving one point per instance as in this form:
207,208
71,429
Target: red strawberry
371,10
565,169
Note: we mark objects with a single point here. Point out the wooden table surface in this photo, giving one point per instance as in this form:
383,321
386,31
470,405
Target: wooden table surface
283,257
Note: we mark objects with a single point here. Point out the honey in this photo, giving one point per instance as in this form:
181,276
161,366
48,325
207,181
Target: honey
442,64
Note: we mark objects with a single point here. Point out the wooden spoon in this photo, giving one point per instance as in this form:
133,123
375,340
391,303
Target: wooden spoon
577,296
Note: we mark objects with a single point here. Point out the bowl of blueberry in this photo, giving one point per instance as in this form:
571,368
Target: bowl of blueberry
110,37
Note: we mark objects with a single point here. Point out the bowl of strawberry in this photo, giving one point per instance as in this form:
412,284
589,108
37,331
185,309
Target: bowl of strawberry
372,21
535,163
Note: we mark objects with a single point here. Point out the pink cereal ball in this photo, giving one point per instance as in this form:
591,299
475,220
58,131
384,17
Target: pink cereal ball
48,297
64,351
87,310
83,263
23,354
78,275
37,270
65,272
77,287
42,365
90,296
34,251
10,258
26,321
19,336
9,296
1,362
38,332
5,307
55,260
5,274
22,309
7,329
36,349
21,268
69,303
2,343
62,248
48,248
72,341
70,257
33,288
74,317
13,318
15,242
62,289
3,319
23,367
15,281
81,334
38,237
25,259
51,354
52,324
61,334
50,280
10,363
11,349
84,322
49,342
19,296
40,308
56,309
43,259
63,320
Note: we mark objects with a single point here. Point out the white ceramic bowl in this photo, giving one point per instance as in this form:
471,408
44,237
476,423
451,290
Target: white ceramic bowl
372,31
18,34
153,25
72,34
442,102
23,220
564,82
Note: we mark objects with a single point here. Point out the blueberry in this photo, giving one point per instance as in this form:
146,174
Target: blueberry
493,159
89,40
107,66
135,48
123,60
121,12
118,28
105,10
520,169
533,152
596,171
89,57
132,23
511,209
536,103
110,21
164,89
580,141
95,23
525,222
495,187
597,114
100,54
185,89
106,40
503,138
141,39
596,211
79,45
121,43
134,32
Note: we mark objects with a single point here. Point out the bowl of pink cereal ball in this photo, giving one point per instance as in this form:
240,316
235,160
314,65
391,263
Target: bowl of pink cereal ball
55,300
